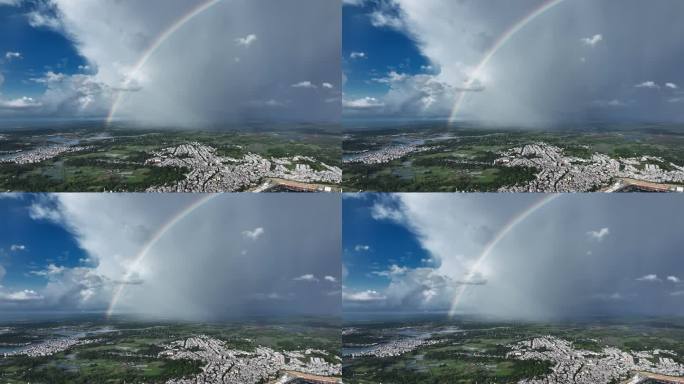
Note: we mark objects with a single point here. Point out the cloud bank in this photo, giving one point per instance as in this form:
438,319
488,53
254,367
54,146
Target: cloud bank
228,64
578,256
558,67
236,255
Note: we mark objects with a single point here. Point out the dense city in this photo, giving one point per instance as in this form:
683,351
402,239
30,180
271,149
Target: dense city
225,365
558,172
573,365
209,172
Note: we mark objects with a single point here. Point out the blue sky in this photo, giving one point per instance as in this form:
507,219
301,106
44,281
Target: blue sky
372,246
41,49
381,49
575,62
230,256
28,246
567,256
184,63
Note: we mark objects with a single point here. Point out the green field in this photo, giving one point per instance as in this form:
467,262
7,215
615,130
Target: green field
463,159
478,354
130,352
116,159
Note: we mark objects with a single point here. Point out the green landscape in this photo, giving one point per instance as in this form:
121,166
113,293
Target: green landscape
117,159
472,351
128,351
444,158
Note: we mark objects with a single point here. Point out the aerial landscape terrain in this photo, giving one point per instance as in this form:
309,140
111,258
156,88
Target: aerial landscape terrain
169,288
426,157
119,97
531,96
89,350
139,160
487,351
512,288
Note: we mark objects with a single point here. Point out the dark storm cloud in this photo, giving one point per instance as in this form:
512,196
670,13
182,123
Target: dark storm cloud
236,255
235,62
578,256
579,61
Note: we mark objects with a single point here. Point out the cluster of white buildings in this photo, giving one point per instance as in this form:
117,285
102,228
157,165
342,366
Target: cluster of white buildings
386,154
230,366
396,347
50,347
587,367
41,153
561,173
209,172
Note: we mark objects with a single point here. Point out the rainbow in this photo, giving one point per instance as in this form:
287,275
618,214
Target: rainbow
178,24
505,38
175,219
505,230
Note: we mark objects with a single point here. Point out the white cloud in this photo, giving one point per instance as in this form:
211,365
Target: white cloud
44,211
354,3
304,84
415,95
17,247
20,296
363,103
674,279
381,211
677,293
329,278
394,270
599,234
461,39
247,40
357,55
44,18
362,247
648,84
481,265
649,278
392,77
50,271
186,272
307,277
327,85
49,77
381,19
671,85
364,296
20,103
10,2
593,40
114,37
253,234
9,55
